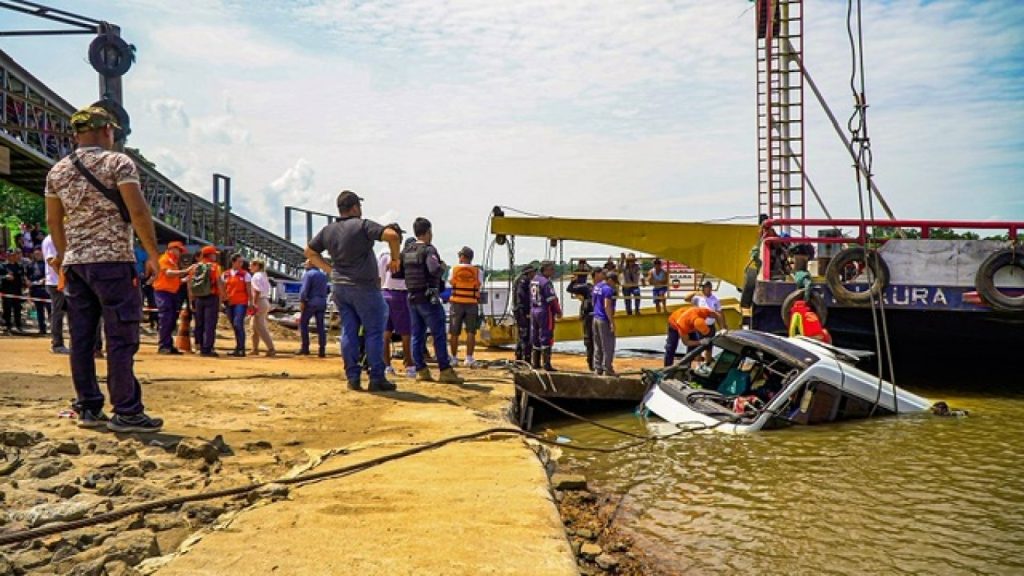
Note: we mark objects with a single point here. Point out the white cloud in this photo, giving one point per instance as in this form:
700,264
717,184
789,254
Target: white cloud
171,112
223,130
591,109
296,183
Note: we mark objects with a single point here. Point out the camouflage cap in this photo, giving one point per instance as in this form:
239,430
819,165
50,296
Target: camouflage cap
92,118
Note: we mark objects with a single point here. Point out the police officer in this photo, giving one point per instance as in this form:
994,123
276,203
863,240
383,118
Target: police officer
93,237
424,272
12,284
544,310
37,288
583,290
521,311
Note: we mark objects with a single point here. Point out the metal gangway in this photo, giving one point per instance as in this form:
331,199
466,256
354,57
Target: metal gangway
36,133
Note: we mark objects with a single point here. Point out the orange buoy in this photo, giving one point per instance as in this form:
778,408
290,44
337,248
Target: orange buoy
184,340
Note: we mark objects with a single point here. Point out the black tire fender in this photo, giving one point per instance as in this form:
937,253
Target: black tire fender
110,55
879,270
984,281
817,304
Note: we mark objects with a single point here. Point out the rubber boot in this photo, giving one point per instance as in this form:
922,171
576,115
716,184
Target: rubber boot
535,359
424,375
448,376
547,360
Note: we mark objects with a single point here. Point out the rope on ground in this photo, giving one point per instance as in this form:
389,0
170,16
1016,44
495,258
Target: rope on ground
112,516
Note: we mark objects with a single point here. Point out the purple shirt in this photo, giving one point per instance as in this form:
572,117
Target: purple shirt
603,292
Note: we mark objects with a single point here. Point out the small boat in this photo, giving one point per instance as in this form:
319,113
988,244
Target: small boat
760,381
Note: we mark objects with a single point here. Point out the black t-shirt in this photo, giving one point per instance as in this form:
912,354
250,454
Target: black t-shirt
350,244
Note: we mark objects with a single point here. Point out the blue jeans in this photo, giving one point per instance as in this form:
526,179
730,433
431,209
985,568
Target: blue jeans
313,312
361,306
236,312
429,316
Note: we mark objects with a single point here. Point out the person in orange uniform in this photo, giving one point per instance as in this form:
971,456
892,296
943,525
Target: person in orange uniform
237,296
166,287
204,289
464,303
692,326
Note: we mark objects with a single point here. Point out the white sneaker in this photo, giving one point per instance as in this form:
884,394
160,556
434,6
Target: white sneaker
455,360
469,362
389,371
410,372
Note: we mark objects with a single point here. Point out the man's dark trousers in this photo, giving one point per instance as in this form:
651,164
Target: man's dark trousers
588,338
108,291
315,312
57,310
42,304
523,345
167,305
207,313
12,312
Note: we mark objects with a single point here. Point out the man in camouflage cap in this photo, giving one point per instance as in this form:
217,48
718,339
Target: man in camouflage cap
94,244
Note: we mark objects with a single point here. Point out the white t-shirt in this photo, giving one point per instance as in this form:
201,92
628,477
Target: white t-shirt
383,268
261,284
50,251
702,301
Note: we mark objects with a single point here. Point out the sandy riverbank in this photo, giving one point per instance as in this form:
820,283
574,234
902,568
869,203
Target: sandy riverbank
481,507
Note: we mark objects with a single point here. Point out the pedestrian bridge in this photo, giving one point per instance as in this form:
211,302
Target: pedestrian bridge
36,133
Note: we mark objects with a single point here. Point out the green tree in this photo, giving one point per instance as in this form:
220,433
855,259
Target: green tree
18,205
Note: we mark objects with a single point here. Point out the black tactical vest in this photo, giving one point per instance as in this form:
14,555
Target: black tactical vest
414,263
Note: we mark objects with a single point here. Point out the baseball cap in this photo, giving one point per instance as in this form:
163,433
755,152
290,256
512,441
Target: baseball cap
348,199
208,251
467,252
92,118
178,245
529,268
707,284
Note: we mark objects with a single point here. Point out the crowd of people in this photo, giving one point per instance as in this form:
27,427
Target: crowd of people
92,267
598,290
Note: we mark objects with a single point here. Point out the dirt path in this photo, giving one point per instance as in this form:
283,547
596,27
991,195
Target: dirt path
480,507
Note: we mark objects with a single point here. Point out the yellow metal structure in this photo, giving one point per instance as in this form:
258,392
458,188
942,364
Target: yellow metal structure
721,250
569,329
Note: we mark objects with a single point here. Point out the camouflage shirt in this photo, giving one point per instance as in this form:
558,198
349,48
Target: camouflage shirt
94,229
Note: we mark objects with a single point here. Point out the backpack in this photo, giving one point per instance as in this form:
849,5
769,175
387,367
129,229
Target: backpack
202,280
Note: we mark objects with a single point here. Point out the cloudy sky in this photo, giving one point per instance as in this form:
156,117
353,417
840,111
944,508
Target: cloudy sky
641,109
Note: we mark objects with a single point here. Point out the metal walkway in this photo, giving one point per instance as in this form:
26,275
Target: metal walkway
34,127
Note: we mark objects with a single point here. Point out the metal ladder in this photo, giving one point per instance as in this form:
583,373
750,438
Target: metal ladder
780,109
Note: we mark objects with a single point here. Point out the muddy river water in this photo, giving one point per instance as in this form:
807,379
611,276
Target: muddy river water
912,494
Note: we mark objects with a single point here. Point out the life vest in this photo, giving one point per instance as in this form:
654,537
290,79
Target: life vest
465,282
414,262
805,322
